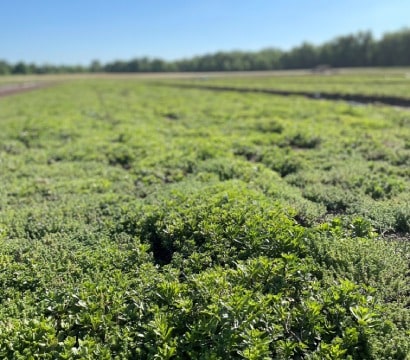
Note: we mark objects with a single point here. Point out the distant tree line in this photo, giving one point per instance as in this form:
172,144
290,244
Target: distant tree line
356,50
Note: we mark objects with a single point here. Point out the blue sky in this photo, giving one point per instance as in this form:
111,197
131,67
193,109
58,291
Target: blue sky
78,31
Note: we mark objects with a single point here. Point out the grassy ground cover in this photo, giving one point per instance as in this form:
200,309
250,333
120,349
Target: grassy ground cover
139,221
379,83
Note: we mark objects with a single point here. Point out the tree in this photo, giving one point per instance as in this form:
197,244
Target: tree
5,68
95,66
20,68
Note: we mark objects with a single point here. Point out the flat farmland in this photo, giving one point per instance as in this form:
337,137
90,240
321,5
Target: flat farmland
139,220
380,82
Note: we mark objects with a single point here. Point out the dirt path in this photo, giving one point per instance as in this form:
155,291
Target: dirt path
12,89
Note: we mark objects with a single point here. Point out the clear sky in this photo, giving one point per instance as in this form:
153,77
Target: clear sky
78,31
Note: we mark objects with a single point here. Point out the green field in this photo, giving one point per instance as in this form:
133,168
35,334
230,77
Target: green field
381,82
140,221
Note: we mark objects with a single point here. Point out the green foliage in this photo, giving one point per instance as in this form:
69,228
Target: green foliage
139,222
217,225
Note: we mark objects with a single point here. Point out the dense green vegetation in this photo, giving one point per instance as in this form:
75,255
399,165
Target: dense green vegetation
356,50
139,221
